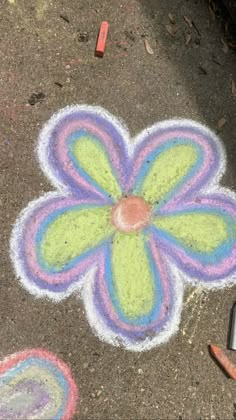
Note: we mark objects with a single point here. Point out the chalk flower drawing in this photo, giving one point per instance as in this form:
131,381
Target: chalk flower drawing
34,384
130,223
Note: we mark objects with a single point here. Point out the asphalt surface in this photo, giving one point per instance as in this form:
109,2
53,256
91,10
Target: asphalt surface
47,48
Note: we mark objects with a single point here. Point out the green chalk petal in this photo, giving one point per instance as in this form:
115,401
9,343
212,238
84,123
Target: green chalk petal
201,232
167,171
93,159
73,233
132,277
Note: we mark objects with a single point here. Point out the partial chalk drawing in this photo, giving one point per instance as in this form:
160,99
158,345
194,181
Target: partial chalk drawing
34,384
130,223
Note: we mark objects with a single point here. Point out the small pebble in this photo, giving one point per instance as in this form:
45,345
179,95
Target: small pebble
83,36
140,371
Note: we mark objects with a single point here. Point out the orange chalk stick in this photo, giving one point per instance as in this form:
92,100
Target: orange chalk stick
224,361
102,38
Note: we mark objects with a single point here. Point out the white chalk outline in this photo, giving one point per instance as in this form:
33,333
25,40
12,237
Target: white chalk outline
86,284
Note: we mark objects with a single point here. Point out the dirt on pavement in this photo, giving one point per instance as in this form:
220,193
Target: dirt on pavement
47,62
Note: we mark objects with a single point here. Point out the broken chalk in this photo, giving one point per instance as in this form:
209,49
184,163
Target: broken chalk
224,361
102,38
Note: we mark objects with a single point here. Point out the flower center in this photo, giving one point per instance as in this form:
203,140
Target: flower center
131,213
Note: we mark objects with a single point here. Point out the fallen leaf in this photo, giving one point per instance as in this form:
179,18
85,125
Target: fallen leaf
211,12
188,38
225,46
221,123
148,47
202,70
233,88
171,30
171,18
213,5
232,45
196,28
188,21
216,61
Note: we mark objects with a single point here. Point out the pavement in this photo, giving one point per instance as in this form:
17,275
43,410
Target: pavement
47,49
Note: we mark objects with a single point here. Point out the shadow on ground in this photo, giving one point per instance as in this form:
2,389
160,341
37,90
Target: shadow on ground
192,40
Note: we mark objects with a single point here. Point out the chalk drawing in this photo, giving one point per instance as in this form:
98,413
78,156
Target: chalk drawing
34,384
131,222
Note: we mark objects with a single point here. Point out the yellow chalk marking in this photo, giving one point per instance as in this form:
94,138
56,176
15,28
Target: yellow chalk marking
203,232
133,279
168,169
74,232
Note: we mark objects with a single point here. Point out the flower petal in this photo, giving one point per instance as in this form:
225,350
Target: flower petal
133,286
201,237
56,240
135,299
69,232
173,160
167,170
87,153
201,231
84,147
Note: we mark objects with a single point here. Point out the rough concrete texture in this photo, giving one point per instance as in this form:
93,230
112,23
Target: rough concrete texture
43,52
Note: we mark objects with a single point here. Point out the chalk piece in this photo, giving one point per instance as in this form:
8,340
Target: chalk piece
233,329
102,38
224,361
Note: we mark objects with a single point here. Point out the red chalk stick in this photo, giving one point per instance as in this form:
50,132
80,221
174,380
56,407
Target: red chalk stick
102,38
224,361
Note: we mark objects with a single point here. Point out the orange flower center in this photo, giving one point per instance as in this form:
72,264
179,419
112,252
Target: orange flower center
131,214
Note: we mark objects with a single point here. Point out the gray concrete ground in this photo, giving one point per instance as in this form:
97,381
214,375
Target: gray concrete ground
40,52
